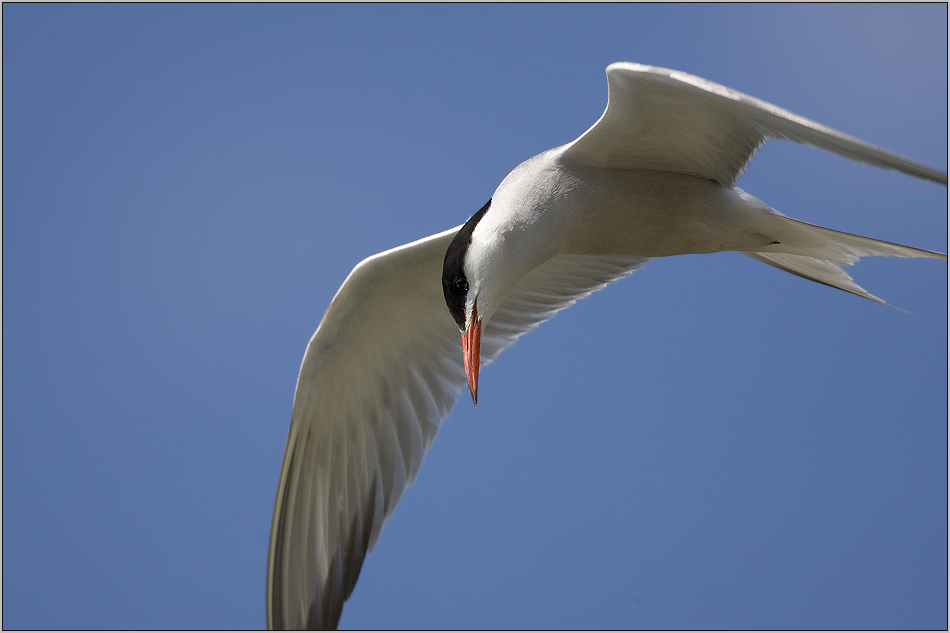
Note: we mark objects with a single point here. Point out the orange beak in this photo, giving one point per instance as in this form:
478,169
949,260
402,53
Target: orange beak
471,340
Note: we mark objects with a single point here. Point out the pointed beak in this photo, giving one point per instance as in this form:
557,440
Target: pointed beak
471,340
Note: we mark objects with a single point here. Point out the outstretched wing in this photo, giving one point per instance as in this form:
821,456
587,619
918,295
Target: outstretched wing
668,120
381,372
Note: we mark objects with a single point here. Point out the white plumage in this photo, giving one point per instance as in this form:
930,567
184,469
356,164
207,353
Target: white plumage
653,177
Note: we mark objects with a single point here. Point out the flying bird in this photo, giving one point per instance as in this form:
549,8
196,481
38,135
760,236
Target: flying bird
655,176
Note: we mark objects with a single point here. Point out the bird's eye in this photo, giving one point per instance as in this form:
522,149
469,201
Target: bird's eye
460,285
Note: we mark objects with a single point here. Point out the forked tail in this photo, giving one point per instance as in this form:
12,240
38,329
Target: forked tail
820,254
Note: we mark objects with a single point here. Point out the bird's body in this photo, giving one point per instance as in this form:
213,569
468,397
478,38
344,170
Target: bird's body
556,207
654,177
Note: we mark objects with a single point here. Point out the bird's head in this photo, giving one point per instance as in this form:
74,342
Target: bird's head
462,285
493,252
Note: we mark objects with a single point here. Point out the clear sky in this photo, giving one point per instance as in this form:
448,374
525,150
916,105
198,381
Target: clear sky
711,443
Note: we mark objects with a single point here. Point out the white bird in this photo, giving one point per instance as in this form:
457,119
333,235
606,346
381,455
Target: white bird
655,176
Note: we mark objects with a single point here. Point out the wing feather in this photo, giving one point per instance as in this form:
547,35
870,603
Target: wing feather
667,120
380,374
548,289
361,422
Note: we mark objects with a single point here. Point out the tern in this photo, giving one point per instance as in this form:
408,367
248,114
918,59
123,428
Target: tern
655,176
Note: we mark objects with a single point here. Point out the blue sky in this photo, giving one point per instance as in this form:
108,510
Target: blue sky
711,443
